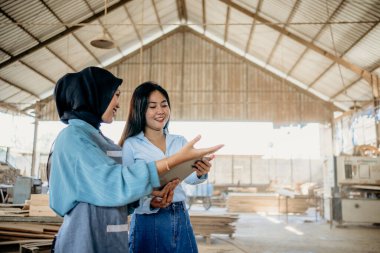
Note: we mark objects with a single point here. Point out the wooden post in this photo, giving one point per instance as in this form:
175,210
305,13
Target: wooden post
34,154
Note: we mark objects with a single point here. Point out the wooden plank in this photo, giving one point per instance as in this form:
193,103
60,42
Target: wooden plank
26,235
39,206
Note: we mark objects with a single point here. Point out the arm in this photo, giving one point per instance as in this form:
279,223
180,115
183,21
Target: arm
81,172
201,172
158,198
144,202
188,152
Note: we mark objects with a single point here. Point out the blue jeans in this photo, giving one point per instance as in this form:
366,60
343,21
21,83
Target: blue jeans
168,230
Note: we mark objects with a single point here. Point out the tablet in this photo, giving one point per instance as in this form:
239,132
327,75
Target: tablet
180,171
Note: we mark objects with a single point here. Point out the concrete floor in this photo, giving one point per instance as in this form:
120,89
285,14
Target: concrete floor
257,233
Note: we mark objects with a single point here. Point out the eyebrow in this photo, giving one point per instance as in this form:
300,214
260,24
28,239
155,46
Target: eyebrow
163,101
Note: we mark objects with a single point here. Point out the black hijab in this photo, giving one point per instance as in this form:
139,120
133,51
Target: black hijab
85,95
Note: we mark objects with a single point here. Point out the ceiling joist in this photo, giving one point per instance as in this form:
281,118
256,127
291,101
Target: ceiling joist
62,34
372,79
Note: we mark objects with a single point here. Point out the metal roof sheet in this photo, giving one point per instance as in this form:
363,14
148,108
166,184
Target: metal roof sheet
44,39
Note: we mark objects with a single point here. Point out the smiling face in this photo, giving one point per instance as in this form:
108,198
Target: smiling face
112,108
158,112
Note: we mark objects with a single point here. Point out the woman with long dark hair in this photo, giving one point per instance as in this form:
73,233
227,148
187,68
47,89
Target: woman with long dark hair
88,185
157,227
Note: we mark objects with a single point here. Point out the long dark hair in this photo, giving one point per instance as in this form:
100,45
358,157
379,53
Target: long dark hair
137,109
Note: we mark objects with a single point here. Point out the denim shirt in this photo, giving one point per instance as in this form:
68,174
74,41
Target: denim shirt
91,189
139,148
83,172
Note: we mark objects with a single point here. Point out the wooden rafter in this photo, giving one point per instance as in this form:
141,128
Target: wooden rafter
226,24
373,84
253,27
31,35
51,51
315,37
204,17
62,34
42,102
150,44
372,79
37,72
182,12
350,85
279,38
7,106
157,16
134,25
18,87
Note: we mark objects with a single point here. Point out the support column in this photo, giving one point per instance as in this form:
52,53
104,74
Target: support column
376,105
34,168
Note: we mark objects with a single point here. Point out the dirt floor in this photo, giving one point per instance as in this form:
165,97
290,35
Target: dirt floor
260,233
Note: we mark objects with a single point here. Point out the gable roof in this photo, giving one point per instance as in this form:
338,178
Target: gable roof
330,50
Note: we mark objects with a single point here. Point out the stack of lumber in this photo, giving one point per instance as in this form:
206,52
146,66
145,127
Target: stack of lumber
205,224
267,203
39,206
15,231
12,210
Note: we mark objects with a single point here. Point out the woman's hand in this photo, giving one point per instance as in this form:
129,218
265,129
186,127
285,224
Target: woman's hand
202,167
188,151
163,198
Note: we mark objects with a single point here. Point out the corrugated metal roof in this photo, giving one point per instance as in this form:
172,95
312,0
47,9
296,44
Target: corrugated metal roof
45,39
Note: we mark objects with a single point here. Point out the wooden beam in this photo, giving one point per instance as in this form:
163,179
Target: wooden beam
356,69
226,24
37,72
7,106
157,16
150,44
82,44
61,35
19,87
42,102
182,12
315,37
279,38
350,85
348,49
134,25
62,60
204,17
253,27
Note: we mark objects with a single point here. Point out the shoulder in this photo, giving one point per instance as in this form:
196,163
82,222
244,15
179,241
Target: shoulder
77,134
177,138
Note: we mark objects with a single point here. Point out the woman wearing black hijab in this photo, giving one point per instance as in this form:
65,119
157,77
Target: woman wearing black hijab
88,186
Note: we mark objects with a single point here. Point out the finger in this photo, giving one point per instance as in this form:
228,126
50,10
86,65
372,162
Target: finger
205,151
170,197
165,190
205,163
164,198
210,157
200,167
193,141
156,193
175,182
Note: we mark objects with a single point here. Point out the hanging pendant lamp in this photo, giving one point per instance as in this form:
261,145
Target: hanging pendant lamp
103,41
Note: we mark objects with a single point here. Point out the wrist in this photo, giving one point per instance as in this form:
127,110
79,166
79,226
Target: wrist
174,160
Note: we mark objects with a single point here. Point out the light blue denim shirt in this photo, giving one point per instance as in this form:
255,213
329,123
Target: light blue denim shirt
83,172
139,148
